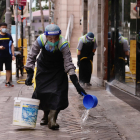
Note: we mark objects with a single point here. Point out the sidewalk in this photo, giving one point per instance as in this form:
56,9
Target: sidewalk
112,119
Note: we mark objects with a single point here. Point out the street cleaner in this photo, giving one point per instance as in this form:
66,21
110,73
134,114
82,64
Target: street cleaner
85,52
122,52
53,64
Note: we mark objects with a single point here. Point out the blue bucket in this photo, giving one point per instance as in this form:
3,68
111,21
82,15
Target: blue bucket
90,101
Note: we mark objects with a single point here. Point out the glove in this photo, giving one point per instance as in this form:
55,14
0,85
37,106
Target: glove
78,62
74,80
30,74
91,56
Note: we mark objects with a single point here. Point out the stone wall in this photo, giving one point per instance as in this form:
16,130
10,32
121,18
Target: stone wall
60,15
96,25
63,10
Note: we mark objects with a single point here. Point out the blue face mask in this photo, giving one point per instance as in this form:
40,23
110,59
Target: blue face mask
4,30
53,44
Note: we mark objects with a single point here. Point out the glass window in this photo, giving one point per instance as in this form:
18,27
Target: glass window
122,44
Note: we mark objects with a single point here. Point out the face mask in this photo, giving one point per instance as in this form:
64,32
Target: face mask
53,44
4,30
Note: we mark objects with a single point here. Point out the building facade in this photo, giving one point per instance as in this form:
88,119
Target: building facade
93,21
88,17
62,13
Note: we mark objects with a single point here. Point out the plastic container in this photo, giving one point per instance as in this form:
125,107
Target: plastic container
25,112
90,101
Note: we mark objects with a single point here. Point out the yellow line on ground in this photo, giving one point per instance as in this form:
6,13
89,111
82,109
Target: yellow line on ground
2,73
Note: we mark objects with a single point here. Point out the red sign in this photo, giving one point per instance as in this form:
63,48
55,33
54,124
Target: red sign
22,2
19,2
12,2
138,3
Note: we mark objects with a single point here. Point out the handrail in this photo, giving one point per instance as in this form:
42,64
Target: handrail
69,28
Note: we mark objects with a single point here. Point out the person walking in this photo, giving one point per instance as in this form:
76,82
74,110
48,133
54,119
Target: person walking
53,64
85,51
6,52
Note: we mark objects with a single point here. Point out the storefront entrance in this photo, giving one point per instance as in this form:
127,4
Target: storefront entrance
124,45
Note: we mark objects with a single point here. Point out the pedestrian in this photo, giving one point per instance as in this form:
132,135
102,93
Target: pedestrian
85,52
6,52
53,64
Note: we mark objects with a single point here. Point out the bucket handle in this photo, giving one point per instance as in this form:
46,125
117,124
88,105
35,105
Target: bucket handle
20,91
83,94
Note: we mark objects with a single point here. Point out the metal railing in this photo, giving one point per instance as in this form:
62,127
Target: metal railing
69,28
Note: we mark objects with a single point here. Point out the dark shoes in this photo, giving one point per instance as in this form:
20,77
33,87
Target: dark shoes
88,84
8,84
44,120
52,117
85,85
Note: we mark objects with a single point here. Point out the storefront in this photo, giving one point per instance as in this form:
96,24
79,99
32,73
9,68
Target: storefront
124,45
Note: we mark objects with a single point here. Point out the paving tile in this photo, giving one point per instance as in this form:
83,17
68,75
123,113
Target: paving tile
97,126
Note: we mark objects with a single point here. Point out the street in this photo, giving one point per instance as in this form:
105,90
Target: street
112,119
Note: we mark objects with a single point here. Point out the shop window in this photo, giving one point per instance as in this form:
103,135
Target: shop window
123,44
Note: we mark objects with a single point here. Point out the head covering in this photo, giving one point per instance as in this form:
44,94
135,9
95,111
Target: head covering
52,29
120,35
90,36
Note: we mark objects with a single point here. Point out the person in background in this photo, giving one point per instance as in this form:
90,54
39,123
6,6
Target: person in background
53,64
124,42
6,52
85,51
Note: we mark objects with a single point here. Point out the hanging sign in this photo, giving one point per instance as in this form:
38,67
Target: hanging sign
12,2
19,2
22,2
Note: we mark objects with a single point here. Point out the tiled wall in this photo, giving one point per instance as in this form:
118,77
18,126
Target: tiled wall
63,10
60,15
